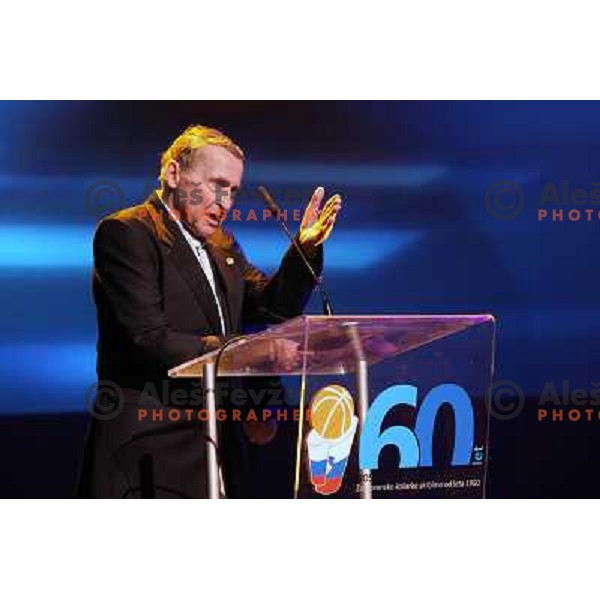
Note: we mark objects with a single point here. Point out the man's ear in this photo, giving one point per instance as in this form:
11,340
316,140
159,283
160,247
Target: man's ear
172,174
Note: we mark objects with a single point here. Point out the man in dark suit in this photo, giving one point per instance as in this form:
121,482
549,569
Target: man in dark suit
170,284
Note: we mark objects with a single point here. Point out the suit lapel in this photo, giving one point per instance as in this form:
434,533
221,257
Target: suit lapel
229,278
184,259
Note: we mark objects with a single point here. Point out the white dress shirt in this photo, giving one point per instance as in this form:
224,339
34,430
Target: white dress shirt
202,255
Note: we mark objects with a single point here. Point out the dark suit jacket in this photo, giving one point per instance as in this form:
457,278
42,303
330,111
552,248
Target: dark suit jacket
156,310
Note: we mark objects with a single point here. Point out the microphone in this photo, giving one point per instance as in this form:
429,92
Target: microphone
272,206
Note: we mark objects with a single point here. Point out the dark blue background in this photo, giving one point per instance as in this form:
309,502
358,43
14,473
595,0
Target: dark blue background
415,236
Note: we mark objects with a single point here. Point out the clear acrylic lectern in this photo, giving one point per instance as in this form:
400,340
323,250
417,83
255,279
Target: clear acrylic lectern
386,406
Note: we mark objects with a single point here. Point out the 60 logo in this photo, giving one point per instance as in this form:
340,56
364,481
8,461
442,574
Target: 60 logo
416,446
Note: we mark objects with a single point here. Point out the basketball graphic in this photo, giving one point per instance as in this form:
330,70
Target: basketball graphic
330,441
331,411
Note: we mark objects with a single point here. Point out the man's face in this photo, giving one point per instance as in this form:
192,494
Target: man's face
206,189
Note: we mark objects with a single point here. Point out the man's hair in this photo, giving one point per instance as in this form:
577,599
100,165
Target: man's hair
182,148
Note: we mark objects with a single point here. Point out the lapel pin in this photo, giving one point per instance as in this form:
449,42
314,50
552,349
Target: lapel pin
229,260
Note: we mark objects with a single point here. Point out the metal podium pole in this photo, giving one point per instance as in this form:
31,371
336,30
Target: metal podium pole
212,464
362,384
362,381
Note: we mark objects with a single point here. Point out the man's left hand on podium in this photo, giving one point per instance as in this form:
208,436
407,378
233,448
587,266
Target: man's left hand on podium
260,433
